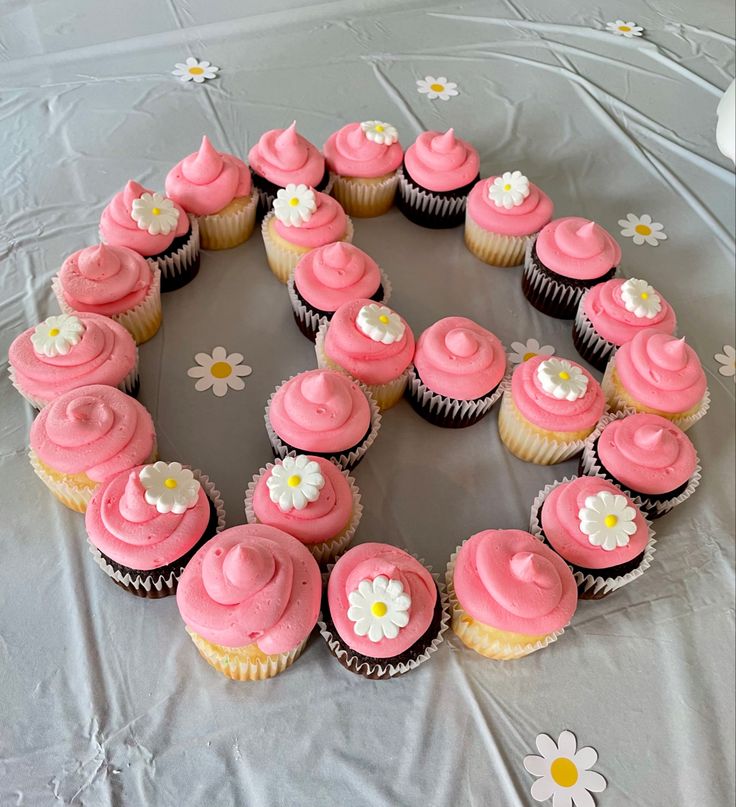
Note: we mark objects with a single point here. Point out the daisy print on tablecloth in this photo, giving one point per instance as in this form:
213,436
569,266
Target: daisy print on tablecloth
727,360
523,351
219,371
564,772
642,229
194,70
625,29
435,88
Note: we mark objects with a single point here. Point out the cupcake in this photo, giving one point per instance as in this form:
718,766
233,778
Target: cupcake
650,458
249,599
509,594
568,257
457,372
84,437
503,213
658,374
215,188
613,312
145,524
309,497
597,530
157,228
548,410
329,276
363,159
371,343
324,413
68,351
301,220
383,613
283,157
114,282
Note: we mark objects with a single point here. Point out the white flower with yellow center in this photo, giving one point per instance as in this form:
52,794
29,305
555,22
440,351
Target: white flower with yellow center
509,190
379,132
193,70
562,379
294,204
608,520
640,298
642,229
523,351
379,608
56,336
380,323
220,371
727,360
626,29
564,771
169,486
438,87
155,212
294,482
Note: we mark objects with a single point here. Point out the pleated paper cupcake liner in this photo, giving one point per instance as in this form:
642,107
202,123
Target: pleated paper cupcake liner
588,342
362,198
593,587
181,266
429,204
494,248
227,230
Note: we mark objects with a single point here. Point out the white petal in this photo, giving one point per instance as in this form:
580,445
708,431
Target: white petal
219,354
537,766
567,744
300,500
400,618
581,798
362,626
585,758
366,589
356,612
592,780
561,799
356,598
234,358
542,789
402,602
375,633
380,583
191,61
219,387
390,631
546,746
234,382
204,383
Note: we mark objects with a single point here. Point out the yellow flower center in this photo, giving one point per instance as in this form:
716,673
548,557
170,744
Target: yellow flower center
384,319
378,127
644,295
293,201
294,480
379,608
624,28
156,211
170,483
54,332
196,71
507,187
528,356
610,520
564,772
437,87
221,369
564,375
642,229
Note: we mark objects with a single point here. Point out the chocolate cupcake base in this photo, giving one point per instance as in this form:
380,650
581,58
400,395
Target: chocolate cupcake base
436,210
179,264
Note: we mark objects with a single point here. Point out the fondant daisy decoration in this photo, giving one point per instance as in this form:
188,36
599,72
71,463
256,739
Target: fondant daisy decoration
169,486
154,212
626,29
509,190
640,298
380,323
294,204
294,482
564,771
194,70
56,336
727,360
642,229
220,371
608,520
435,88
523,351
379,132
379,608
562,379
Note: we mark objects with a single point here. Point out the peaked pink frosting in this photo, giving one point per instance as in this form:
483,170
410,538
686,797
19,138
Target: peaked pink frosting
282,156
440,161
328,223
350,153
577,248
525,219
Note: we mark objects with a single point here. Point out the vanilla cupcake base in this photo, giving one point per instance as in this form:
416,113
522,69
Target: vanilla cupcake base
493,248
231,226
365,197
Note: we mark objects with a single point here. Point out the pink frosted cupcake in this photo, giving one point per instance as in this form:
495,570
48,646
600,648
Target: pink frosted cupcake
613,312
438,172
309,497
550,407
157,228
145,524
249,599
68,351
457,372
301,220
215,188
363,159
84,437
509,594
114,282
383,614
597,530
659,374
568,257
325,413
371,343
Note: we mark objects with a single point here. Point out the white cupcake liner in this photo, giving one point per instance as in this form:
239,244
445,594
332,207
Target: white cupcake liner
228,230
179,263
492,248
266,199
599,585
429,203
362,198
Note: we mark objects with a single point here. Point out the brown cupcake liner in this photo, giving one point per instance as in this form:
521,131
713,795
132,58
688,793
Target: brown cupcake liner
364,199
175,267
428,203
228,230
492,248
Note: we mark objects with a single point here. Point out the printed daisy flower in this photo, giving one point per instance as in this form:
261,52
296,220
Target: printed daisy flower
509,190
523,351
193,70
622,28
220,371
437,88
380,323
607,520
294,204
169,486
642,229
379,132
379,608
562,379
56,336
727,360
155,212
564,771
294,482
640,298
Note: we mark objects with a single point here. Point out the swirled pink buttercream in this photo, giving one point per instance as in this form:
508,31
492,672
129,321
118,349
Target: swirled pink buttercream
439,161
328,223
525,219
282,156
577,248
349,153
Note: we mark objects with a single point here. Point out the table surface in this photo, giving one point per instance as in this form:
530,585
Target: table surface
104,699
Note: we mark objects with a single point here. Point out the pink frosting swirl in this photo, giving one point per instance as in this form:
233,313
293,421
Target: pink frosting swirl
511,581
457,358
207,180
105,354
282,156
441,162
561,525
605,308
525,219
647,453
328,223
320,410
367,360
661,372
542,409
117,226
366,562
94,430
251,584
123,526
350,153
577,248
105,280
